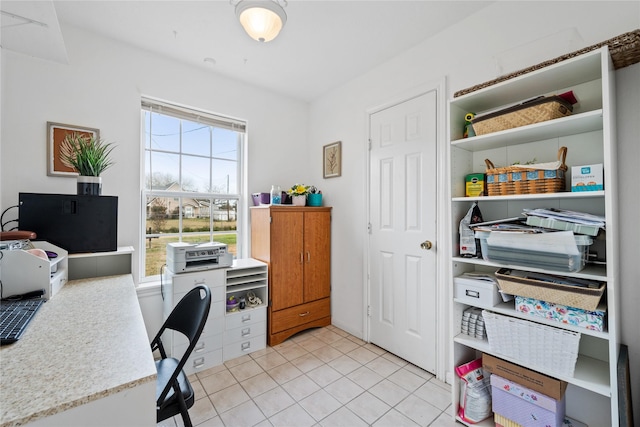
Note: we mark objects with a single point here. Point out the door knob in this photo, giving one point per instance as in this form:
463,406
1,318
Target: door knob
426,245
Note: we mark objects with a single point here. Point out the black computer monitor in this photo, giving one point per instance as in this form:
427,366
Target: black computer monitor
73,222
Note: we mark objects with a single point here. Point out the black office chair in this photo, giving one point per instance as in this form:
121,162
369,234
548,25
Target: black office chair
174,394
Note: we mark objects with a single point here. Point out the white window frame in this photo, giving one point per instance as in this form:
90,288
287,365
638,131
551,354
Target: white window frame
200,116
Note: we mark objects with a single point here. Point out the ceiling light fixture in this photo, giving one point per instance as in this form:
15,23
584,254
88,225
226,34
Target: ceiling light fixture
261,19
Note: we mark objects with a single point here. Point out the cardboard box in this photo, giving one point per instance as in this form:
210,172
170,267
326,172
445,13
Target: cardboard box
592,320
526,407
474,185
536,381
587,178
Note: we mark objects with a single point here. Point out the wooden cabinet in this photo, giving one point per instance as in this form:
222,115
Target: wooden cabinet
296,243
589,134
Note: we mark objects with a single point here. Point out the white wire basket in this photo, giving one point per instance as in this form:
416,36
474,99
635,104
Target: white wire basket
538,346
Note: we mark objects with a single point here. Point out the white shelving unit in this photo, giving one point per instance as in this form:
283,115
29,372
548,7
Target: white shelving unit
589,135
246,329
226,334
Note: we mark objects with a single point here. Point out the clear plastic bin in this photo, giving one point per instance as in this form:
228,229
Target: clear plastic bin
556,257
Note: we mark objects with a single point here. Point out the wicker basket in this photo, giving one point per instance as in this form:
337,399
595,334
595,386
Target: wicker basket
571,296
541,347
527,113
516,180
623,49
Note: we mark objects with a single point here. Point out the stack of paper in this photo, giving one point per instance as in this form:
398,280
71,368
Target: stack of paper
558,219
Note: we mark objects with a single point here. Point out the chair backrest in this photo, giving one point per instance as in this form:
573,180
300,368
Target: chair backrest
188,317
190,314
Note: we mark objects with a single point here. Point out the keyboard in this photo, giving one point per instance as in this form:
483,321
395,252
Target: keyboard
15,316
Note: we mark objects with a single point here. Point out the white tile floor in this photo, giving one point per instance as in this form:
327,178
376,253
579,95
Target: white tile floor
321,377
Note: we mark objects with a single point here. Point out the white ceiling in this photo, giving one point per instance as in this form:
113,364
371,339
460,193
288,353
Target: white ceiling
323,44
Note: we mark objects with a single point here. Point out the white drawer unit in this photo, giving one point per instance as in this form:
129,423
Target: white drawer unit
246,329
225,335
208,350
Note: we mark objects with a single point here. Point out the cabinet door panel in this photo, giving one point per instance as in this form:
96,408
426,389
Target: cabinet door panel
286,259
317,250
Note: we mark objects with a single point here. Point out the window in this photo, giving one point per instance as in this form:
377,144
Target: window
193,165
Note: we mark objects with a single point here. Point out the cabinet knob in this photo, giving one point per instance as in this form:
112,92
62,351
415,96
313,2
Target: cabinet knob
304,314
426,245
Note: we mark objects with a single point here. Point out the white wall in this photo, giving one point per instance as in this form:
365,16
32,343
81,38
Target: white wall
484,46
101,88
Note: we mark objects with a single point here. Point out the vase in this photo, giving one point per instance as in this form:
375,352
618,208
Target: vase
299,200
314,199
89,185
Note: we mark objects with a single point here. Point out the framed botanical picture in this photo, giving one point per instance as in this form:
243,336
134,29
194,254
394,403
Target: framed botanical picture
56,132
332,160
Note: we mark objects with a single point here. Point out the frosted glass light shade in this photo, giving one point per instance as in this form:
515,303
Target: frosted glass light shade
262,20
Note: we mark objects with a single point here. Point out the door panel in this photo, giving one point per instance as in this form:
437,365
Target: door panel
403,215
317,246
287,267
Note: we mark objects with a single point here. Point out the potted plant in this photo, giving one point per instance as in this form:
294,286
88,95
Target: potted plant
298,194
90,157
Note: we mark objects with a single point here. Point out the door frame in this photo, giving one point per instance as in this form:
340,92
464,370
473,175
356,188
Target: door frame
441,245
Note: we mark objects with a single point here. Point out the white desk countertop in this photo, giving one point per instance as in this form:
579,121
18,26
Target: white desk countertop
88,342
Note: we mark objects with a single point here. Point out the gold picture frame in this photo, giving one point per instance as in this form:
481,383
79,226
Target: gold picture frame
332,160
56,132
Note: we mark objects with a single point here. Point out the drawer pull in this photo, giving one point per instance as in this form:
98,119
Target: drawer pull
306,313
246,317
198,363
246,332
199,347
246,346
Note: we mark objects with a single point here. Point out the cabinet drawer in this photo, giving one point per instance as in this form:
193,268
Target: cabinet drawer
245,332
243,347
204,345
217,294
300,314
199,362
246,317
182,283
214,326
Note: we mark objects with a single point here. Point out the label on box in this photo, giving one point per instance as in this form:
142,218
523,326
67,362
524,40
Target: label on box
587,178
474,185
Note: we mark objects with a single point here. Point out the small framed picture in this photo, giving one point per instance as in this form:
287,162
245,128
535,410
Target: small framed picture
332,160
56,132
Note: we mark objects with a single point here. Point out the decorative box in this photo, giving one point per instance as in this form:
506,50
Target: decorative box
476,290
505,422
525,406
593,320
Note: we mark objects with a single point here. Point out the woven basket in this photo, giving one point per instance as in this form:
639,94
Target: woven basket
511,180
540,347
571,296
623,49
528,113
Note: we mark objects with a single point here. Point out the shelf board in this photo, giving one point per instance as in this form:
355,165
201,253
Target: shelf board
589,272
571,125
121,250
245,287
591,374
537,196
508,309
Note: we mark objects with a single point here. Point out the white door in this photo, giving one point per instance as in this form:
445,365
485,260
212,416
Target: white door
402,210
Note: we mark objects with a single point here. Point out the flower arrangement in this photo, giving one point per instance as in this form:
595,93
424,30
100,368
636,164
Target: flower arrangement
298,190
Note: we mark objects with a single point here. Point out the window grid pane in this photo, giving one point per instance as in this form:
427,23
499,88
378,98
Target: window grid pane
192,185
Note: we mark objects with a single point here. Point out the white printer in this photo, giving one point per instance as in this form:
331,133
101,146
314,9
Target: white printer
184,257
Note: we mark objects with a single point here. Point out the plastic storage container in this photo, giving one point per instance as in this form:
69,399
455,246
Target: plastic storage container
541,250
